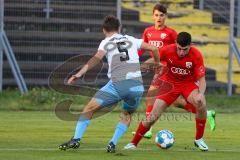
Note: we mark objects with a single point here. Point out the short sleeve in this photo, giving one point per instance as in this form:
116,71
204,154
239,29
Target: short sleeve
102,45
136,42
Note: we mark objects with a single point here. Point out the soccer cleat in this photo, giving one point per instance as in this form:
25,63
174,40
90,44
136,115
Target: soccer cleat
201,144
130,146
73,143
111,147
148,134
211,119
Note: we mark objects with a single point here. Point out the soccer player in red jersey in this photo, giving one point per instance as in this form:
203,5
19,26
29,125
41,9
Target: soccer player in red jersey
160,35
187,75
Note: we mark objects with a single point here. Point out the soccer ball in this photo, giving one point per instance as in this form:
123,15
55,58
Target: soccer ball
164,139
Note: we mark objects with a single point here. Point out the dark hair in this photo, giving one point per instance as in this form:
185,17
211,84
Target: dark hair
160,8
184,39
111,23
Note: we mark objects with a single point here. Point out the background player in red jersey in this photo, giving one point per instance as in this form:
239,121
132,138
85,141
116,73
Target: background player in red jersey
160,35
187,75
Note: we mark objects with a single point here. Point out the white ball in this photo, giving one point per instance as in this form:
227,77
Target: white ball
164,139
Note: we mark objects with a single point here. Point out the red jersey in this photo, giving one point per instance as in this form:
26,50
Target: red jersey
158,38
188,68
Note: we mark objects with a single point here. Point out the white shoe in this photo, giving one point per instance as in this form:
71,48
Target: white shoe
201,144
130,146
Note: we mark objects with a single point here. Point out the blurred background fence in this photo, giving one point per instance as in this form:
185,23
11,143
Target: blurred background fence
45,33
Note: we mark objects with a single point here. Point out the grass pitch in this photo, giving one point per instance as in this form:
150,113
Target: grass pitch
36,135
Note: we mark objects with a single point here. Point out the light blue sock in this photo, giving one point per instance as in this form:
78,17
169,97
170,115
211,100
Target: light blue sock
80,128
121,128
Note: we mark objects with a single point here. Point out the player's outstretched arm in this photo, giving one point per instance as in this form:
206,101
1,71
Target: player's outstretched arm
154,50
90,64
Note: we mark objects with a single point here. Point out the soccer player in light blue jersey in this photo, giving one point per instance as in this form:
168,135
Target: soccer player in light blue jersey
125,82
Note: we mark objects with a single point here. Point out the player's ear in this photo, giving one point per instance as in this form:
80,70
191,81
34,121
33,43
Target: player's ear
104,31
120,29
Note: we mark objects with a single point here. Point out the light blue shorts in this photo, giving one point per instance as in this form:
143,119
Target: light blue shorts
130,91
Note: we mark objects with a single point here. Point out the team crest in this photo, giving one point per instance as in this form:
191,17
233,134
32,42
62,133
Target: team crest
188,64
163,35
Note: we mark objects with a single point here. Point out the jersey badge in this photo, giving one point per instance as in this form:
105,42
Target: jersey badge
163,35
188,64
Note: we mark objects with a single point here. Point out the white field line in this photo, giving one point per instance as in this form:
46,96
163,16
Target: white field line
103,149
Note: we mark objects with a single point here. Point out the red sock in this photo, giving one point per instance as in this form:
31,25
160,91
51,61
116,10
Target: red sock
148,110
139,134
200,126
190,108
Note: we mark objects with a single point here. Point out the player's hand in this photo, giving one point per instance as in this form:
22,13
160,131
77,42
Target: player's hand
144,67
72,79
158,68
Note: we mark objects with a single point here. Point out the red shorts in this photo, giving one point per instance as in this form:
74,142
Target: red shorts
179,88
163,86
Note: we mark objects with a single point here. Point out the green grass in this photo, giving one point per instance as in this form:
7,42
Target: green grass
36,135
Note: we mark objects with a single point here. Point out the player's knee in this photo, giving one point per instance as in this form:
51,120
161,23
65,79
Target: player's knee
201,108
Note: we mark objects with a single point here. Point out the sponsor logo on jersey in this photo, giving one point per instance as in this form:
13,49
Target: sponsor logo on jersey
188,64
163,35
158,44
180,71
